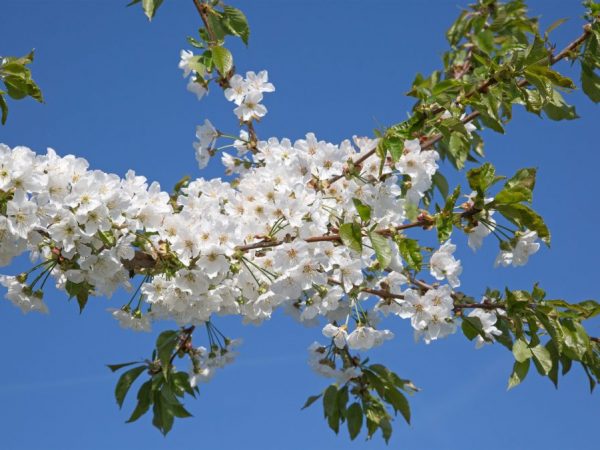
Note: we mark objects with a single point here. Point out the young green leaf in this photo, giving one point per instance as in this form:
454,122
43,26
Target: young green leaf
354,417
382,248
310,400
236,23
222,59
519,373
351,236
145,398
115,367
125,382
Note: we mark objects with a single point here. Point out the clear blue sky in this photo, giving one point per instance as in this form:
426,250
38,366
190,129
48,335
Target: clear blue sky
115,96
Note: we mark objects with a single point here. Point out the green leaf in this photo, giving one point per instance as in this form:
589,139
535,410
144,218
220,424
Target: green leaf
394,145
542,358
485,41
458,148
16,87
537,52
222,59
217,24
386,429
590,83
354,416
236,23
376,381
525,217
521,351
115,367
575,339
342,401
411,253
519,373
80,291
172,404
518,188
444,221
482,178
310,400
382,248
398,401
194,42
144,397
150,7
471,327
490,122
165,345
364,211
524,178
444,86
545,73
590,378
555,25
558,109
330,406
3,107
17,69
125,382
440,182
163,418
351,236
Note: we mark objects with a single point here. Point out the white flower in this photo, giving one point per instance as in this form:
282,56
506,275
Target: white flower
259,83
338,334
444,265
127,319
487,319
184,63
365,338
237,90
22,296
482,230
196,88
251,108
206,134
420,165
21,214
519,255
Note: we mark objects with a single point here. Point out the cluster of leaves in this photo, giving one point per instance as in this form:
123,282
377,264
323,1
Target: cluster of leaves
376,393
17,80
590,57
220,21
498,58
165,385
513,201
548,332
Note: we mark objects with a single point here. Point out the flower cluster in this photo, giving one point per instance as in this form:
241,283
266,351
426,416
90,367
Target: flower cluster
526,245
323,362
268,239
205,362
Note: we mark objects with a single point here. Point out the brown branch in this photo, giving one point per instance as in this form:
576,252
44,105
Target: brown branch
457,306
422,222
490,306
564,53
145,261
203,11
186,339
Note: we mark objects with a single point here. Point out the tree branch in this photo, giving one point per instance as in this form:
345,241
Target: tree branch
564,53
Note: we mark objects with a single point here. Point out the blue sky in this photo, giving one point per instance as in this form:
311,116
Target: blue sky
115,96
